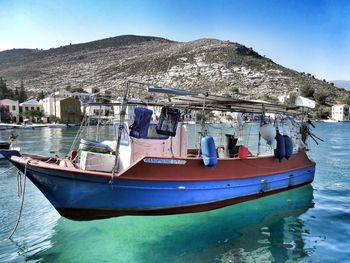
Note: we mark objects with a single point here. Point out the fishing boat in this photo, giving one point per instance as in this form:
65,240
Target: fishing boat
150,168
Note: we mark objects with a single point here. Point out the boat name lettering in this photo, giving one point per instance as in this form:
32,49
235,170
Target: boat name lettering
164,161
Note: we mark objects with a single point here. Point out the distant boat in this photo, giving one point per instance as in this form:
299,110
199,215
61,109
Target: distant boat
59,125
330,120
4,145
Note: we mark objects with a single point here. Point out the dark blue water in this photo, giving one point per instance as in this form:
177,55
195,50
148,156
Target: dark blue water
309,224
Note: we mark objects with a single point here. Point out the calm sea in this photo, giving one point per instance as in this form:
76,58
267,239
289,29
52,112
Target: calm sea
309,224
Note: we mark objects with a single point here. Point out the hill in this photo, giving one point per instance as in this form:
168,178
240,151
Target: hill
342,84
206,64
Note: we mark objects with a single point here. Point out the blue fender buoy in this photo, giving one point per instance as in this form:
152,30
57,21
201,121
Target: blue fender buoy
209,151
288,145
280,151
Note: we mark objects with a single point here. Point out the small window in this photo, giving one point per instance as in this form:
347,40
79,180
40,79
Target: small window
26,108
13,107
37,108
32,108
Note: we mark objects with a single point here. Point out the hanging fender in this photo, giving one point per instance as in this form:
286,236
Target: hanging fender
209,151
288,146
280,151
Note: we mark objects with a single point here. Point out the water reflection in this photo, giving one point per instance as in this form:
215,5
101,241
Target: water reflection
268,229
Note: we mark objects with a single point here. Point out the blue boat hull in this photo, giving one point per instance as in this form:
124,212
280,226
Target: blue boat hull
81,197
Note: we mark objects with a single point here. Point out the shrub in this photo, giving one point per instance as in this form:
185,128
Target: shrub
307,91
321,97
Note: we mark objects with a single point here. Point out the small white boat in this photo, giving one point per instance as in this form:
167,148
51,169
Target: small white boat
59,125
330,120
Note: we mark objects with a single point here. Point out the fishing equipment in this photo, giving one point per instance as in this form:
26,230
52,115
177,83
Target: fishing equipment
168,120
209,151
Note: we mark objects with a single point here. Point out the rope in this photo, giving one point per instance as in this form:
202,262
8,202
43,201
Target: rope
19,184
22,200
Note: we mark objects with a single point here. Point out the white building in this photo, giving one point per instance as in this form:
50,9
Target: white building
91,90
13,108
305,102
30,106
49,105
129,113
62,93
83,97
340,112
96,110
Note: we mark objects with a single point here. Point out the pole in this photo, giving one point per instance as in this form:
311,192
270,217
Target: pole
98,124
120,130
54,99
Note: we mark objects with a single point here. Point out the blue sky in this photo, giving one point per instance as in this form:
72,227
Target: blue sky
305,35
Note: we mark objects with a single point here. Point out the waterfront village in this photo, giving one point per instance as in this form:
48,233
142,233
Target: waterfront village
68,107
62,106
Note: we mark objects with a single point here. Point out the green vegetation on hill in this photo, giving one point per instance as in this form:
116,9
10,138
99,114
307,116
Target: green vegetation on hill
18,94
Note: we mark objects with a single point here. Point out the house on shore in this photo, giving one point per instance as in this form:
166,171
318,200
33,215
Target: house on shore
31,110
341,112
68,110
12,107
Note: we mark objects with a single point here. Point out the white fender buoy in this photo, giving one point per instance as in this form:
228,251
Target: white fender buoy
268,132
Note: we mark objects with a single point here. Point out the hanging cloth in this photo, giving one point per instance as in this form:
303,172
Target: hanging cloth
142,120
168,120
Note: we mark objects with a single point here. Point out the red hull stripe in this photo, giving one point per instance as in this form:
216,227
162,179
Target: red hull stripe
226,169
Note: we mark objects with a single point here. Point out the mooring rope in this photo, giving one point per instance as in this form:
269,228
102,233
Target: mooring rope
19,184
22,191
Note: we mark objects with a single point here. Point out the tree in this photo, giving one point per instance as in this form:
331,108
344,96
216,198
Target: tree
346,100
41,95
321,97
3,88
322,113
22,93
307,91
5,93
16,94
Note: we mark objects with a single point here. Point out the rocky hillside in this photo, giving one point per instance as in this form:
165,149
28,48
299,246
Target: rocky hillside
206,64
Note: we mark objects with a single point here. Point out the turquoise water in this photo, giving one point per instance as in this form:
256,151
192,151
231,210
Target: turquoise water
309,224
